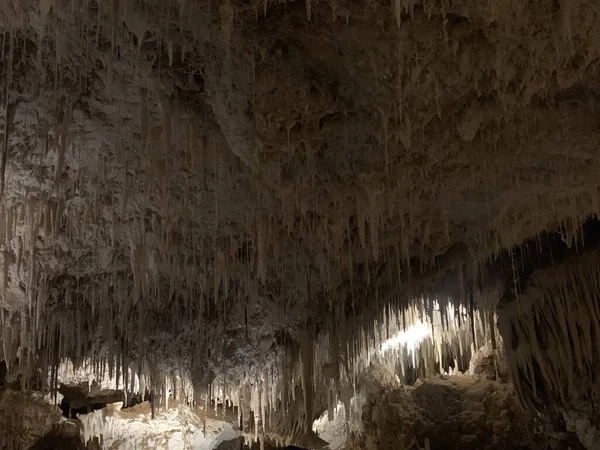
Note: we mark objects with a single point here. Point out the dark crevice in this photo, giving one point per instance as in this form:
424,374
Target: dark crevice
3,372
547,249
77,400
64,436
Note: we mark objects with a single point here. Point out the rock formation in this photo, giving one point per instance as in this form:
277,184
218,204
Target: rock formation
230,211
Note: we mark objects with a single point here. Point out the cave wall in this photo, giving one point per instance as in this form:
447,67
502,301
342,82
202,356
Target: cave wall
25,417
456,412
212,175
189,187
551,331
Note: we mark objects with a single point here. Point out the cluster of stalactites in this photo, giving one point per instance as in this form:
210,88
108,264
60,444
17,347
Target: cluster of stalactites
24,291
277,403
260,401
165,387
429,337
551,332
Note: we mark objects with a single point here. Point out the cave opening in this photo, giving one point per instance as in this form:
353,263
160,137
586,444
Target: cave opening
71,413
80,399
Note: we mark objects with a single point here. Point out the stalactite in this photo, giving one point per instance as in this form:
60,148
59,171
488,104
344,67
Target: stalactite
261,249
306,353
190,268
548,330
66,122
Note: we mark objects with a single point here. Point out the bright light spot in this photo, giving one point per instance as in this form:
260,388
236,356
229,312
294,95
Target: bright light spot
410,338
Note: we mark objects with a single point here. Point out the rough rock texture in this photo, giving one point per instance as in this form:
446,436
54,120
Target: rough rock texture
376,379
457,412
490,363
551,330
337,430
200,193
134,428
339,424
64,436
179,160
25,417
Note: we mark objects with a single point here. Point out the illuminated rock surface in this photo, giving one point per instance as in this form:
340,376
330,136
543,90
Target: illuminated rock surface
229,211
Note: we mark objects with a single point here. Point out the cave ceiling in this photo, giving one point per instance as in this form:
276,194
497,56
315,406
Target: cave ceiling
198,181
